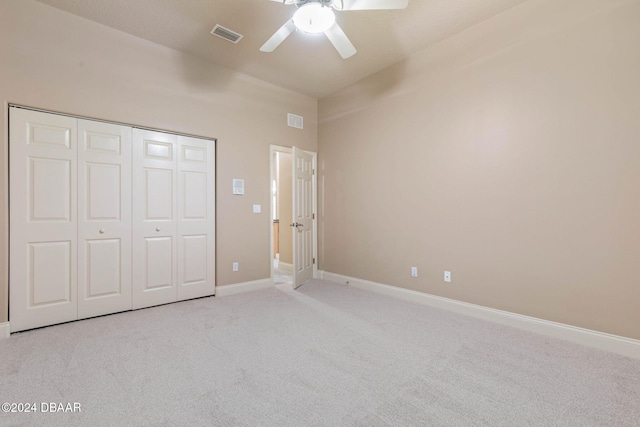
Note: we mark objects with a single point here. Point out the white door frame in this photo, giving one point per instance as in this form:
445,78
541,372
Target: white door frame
272,175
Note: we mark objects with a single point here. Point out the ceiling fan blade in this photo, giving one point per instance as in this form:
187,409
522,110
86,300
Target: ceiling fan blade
285,1
370,4
278,37
340,41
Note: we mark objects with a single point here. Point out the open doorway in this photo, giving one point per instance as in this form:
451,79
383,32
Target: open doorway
281,214
294,231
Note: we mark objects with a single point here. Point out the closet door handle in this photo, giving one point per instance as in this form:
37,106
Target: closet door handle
102,230
157,228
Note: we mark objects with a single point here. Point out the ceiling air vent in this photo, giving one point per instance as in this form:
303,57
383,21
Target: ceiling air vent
226,34
294,121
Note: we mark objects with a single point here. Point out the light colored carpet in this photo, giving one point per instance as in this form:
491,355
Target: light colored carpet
324,355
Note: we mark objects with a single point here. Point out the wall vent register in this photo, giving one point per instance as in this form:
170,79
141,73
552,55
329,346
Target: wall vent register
294,121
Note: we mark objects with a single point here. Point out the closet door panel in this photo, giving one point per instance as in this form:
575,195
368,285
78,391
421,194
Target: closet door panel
50,190
49,273
158,194
104,267
158,255
104,212
196,217
195,259
155,223
43,203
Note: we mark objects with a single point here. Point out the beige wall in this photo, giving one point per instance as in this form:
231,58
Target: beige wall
56,61
509,155
285,189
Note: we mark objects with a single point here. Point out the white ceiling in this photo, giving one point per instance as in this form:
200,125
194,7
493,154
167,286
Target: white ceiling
303,63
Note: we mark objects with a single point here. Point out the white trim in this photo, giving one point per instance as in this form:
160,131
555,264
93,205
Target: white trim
316,214
5,330
238,288
4,262
625,346
285,266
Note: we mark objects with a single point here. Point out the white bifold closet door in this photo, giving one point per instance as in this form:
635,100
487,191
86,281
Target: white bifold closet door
70,219
196,217
174,209
43,225
104,218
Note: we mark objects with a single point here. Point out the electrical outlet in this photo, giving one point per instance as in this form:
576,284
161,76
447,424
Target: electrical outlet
414,271
235,266
447,276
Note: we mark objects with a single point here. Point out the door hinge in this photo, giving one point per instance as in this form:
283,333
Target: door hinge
313,216
314,260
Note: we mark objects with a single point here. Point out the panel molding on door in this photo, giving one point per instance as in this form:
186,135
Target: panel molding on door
42,210
154,218
104,218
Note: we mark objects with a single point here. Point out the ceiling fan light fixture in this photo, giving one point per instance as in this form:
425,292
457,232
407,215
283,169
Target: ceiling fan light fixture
314,18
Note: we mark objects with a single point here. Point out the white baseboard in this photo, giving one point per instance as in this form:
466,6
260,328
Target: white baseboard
5,330
238,288
625,346
285,266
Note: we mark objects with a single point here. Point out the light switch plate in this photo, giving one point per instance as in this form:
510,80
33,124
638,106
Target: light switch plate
447,276
257,208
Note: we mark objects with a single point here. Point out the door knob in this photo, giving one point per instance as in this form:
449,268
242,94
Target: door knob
101,231
157,228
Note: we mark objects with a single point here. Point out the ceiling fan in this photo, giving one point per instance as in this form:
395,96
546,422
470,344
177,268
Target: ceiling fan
316,16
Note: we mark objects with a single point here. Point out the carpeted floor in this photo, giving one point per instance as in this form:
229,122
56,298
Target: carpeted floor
324,355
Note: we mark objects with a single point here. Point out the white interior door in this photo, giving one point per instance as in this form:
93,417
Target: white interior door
43,206
303,216
154,218
104,215
196,217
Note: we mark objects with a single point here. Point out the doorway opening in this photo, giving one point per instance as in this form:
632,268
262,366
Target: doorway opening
281,214
294,231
